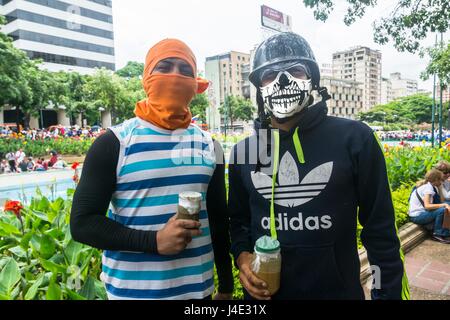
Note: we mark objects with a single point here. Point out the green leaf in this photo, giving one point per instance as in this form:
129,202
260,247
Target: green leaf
4,297
44,245
88,290
52,267
73,295
100,290
41,215
9,228
70,192
31,293
54,291
73,251
58,205
18,251
44,205
9,276
25,241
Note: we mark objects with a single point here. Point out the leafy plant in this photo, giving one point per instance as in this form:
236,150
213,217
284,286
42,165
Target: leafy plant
43,261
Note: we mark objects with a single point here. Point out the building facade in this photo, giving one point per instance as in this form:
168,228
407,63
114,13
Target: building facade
228,74
387,94
346,97
402,87
396,87
75,35
363,65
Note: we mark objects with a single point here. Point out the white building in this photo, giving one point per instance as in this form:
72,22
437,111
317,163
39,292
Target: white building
387,95
75,35
363,65
326,70
346,97
397,87
402,87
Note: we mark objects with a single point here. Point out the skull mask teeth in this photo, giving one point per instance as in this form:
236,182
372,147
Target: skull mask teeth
283,101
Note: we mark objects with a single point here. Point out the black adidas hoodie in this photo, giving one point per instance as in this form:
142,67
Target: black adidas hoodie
316,208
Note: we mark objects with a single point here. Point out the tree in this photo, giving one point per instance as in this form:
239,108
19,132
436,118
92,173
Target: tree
439,65
133,69
72,94
12,81
198,106
409,111
410,21
237,108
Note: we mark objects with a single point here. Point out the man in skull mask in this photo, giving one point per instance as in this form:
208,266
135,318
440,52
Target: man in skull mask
306,179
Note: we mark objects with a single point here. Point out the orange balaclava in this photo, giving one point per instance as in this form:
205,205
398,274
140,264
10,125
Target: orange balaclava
169,95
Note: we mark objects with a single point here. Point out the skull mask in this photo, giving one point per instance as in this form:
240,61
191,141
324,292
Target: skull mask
286,92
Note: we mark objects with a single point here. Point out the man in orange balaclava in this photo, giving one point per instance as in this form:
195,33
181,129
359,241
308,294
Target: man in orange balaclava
138,169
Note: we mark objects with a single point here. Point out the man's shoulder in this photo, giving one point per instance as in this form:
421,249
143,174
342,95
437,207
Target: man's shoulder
353,126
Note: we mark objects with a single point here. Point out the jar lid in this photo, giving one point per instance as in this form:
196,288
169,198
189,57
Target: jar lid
190,196
267,244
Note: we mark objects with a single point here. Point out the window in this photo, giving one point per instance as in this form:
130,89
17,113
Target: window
62,42
59,23
53,58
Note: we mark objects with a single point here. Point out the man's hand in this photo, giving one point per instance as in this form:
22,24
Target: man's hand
223,296
254,286
176,235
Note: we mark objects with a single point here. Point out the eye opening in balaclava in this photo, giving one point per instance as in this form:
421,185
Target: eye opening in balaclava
172,64
285,89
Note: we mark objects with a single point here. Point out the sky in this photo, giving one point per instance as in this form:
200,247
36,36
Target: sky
212,27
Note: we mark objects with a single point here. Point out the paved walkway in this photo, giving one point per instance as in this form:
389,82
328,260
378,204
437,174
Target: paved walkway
428,269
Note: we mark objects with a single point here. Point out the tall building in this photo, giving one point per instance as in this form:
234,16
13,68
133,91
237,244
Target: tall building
387,95
75,35
396,87
402,87
228,74
346,97
363,65
326,69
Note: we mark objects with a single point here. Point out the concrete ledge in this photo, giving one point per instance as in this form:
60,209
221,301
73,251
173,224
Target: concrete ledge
410,236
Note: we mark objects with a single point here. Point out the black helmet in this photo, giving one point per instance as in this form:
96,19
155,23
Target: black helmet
284,47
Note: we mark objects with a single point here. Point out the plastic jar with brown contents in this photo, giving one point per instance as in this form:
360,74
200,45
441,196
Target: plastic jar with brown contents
189,205
267,262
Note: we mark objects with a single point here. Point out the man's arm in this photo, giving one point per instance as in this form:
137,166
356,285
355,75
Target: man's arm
377,216
216,203
88,221
238,204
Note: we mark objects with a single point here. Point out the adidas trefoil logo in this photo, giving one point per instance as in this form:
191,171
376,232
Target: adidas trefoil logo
291,192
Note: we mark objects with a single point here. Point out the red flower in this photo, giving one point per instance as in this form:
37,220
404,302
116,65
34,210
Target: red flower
75,165
75,178
14,207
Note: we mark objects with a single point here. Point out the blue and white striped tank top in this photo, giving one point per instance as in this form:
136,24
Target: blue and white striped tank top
154,166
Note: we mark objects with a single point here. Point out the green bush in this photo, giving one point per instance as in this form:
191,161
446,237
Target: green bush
41,148
408,165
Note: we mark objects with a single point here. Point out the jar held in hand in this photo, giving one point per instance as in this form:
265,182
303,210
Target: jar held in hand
189,205
267,262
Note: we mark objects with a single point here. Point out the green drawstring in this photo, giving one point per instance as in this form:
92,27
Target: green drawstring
276,160
298,148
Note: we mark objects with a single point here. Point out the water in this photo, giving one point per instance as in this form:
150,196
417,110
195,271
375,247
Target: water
25,192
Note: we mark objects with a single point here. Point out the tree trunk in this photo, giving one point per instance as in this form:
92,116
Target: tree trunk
26,121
